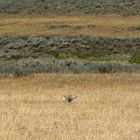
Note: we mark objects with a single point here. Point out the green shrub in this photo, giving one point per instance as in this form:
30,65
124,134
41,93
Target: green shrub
135,57
107,68
50,52
17,57
18,73
64,55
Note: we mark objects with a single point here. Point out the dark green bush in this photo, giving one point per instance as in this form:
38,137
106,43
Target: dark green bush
17,57
18,73
135,57
63,55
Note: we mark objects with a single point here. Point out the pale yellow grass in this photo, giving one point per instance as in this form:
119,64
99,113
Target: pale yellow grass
107,25
107,107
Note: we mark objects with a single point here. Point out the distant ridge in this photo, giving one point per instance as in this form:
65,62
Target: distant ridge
123,7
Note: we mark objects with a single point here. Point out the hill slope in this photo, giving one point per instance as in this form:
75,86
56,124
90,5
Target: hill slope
125,7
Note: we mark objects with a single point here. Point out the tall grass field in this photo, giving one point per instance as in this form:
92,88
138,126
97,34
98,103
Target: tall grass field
106,107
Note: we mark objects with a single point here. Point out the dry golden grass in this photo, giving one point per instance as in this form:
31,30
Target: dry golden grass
107,107
107,25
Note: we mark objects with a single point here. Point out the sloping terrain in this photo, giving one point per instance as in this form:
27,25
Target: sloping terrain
40,36
125,7
23,55
63,38
82,46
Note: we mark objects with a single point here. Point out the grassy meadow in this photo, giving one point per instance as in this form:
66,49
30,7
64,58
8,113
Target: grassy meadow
103,25
106,108
107,104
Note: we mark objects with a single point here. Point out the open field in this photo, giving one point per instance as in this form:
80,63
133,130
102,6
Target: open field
105,25
53,48
107,107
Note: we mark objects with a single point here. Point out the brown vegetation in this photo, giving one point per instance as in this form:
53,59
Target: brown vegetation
107,25
106,107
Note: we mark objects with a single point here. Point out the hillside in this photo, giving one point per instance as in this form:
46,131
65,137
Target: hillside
124,7
52,50
23,55
82,36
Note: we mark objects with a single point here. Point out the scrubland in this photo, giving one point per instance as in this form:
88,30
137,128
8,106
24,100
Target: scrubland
97,40
123,7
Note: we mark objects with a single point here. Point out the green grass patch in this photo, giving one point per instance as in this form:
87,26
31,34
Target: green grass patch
135,57
64,55
108,58
92,56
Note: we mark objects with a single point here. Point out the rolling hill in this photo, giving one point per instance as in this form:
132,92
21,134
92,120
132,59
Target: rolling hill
124,7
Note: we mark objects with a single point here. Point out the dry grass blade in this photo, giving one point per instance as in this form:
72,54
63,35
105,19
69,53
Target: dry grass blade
107,25
107,107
